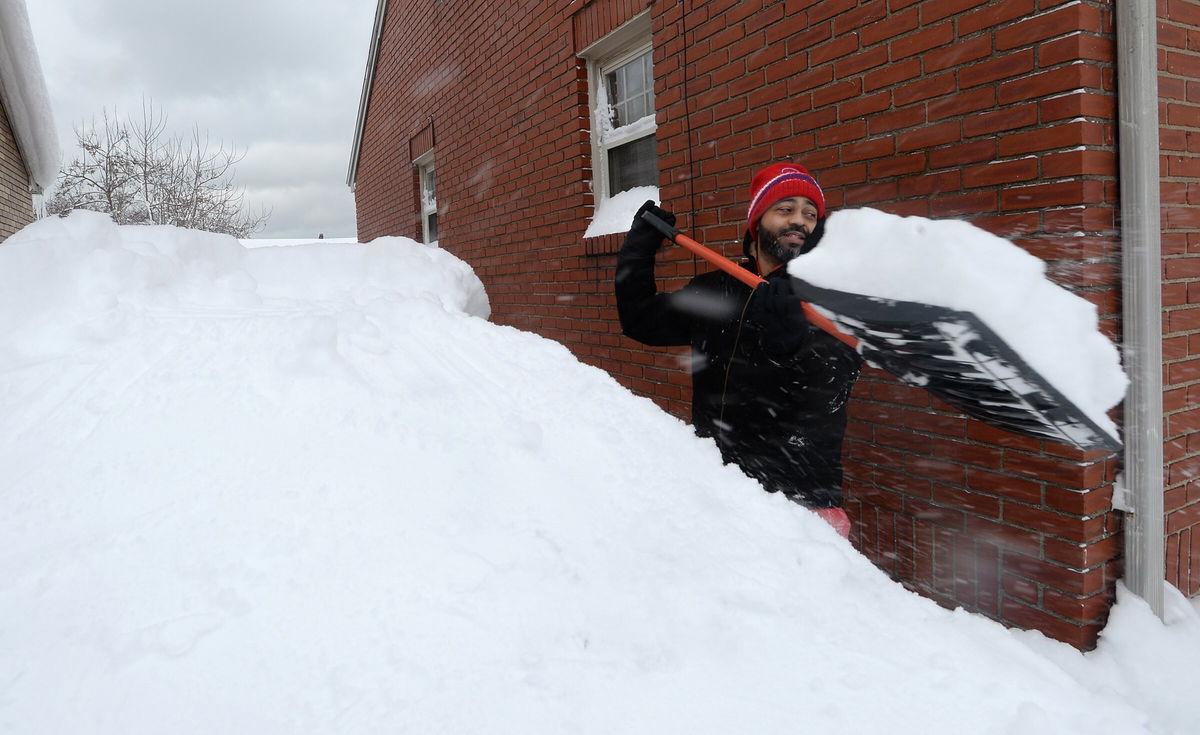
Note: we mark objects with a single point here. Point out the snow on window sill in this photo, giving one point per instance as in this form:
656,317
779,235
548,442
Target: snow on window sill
611,137
614,215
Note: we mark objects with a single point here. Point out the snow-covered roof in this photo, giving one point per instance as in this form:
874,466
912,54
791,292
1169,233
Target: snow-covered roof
23,92
368,78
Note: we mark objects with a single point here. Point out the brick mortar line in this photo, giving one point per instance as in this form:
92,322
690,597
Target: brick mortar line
951,414
1187,383
981,444
1182,333
1067,566
987,493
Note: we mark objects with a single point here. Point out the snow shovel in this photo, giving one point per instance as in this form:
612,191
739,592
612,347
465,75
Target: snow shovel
952,354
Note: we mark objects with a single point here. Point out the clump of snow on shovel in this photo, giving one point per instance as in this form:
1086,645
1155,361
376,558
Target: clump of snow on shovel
957,265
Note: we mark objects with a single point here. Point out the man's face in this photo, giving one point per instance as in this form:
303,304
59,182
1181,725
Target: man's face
785,226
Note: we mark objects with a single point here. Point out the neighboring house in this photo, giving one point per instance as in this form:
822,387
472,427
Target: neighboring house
1001,112
29,152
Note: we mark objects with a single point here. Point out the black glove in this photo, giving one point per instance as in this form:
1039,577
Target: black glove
777,311
643,239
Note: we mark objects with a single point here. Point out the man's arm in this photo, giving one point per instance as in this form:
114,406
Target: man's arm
650,317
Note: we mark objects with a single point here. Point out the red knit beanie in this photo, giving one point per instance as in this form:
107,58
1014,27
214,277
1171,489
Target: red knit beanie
780,181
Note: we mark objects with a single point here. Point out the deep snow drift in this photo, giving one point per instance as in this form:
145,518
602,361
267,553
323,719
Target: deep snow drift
311,490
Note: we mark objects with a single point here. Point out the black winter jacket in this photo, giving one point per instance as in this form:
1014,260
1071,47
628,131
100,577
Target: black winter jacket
775,403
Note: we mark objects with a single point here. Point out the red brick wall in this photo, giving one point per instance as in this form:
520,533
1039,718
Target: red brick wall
1179,113
967,109
1001,112
16,205
501,88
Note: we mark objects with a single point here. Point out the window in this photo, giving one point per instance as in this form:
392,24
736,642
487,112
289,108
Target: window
622,101
428,196
626,116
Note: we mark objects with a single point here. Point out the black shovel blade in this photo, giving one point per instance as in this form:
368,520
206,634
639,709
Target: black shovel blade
959,359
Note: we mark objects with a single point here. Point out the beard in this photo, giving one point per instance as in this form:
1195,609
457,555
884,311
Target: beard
768,242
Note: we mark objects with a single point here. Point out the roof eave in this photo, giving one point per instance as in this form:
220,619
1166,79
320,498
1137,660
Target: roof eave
25,98
365,98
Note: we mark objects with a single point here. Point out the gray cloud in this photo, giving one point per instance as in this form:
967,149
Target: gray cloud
276,79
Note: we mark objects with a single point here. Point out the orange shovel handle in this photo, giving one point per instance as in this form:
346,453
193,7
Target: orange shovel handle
752,280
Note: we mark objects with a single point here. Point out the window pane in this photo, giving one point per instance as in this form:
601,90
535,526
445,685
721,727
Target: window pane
636,108
633,78
631,90
611,82
428,189
632,164
432,227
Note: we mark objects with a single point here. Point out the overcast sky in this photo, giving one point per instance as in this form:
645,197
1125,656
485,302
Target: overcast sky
277,79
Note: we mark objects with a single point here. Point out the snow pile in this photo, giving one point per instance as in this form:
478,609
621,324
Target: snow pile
1141,659
82,281
308,489
954,264
277,242
616,213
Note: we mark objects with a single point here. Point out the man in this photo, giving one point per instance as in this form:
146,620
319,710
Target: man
769,387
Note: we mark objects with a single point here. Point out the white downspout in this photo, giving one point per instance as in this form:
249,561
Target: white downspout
1137,88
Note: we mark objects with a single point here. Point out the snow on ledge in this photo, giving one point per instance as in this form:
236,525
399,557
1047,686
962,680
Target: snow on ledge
615,214
23,92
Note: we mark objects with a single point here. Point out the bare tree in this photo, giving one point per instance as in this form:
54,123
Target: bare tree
136,172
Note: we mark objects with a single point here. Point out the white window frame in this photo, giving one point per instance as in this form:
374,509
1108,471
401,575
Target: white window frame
623,45
427,195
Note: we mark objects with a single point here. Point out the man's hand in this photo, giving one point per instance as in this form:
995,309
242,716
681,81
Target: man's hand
778,312
775,303
643,238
